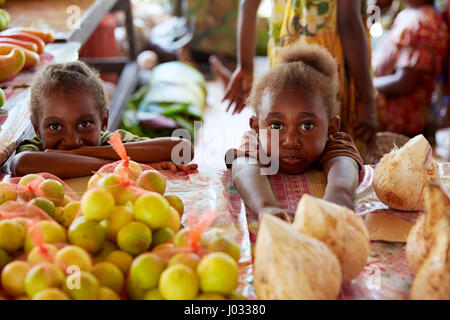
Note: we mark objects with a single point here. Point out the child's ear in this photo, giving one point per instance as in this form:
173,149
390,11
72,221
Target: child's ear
105,121
334,125
253,122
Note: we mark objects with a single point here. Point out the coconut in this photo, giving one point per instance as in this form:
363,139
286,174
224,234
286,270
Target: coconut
292,266
428,225
339,228
401,175
432,282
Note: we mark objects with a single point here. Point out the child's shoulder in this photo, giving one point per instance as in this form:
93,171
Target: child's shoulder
31,145
340,144
124,135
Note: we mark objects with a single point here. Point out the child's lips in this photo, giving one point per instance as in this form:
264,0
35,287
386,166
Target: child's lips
291,160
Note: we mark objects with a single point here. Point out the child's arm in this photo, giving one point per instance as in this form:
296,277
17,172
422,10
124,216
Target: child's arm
154,150
342,180
254,188
241,80
356,52
59,164
403,81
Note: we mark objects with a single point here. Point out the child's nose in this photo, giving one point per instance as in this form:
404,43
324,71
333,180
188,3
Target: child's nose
72,141
291,139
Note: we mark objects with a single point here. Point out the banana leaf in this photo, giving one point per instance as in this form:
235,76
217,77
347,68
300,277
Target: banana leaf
175,91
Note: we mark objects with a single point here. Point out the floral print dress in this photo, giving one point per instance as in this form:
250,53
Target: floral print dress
417,40
314,21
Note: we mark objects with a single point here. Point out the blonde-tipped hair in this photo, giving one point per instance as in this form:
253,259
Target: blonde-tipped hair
305,69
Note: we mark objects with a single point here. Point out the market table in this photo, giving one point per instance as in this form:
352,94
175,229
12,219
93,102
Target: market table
386,274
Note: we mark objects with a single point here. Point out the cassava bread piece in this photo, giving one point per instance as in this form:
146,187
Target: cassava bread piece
292,266
401,175
339,228
382,227
424,232
432,282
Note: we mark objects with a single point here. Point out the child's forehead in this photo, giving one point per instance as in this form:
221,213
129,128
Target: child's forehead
73,103
289,104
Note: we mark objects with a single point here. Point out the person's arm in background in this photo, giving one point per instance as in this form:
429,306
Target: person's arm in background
356,52
342,180
403,81
254,188
59,164
241,80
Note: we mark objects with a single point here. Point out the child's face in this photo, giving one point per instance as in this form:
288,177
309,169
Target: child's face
303,126
69,121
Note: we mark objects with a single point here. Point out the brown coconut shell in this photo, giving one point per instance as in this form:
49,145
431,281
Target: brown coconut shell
401,175
432,282
291,266
339,228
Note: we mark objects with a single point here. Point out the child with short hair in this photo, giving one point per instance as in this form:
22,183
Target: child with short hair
298,100
69,113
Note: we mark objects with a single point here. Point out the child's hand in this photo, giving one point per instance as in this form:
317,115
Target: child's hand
283,214
169,165
341,199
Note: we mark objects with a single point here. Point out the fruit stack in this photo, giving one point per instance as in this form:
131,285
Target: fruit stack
122,241
20,48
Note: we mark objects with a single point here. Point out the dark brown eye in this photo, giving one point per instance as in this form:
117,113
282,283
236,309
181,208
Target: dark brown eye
55,127
276,126
307,126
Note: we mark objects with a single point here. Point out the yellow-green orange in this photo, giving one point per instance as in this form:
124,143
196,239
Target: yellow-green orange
189,259
153,294
87,234
5,258
88,287
134,238
159,236
12,235
120,193
13,278
121,259
107,294
146,270
176,203
108,247
210,296
134,292
119,217
51,294
133,170
179,282
69,213
53,190
44,204
226,245
108,275
24,193
7,192
97,204
41,276
73,255
152,209
51,232
41,254
174,220
218,272
152,180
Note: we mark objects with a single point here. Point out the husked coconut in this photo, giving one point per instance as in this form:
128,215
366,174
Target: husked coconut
401,175
339,228
432,282
292,266
424,232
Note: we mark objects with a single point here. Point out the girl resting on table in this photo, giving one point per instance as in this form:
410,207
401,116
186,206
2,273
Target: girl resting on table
297,100
69,113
